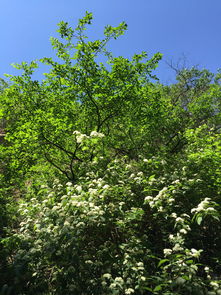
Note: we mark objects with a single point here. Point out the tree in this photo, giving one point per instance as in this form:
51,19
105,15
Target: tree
117,176
81,94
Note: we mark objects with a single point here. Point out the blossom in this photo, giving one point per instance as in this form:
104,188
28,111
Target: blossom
179,219
129,291
140,174
215,285
96,134
210,209
171,237
183,231
78,188
173,215
203,206
176,181
106,186
167,252
177,248
140,264
79,136
92,191
148,198
195,253
113,285
119,280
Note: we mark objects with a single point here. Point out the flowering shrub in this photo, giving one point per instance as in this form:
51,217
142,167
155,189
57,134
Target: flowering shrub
103,235
110,182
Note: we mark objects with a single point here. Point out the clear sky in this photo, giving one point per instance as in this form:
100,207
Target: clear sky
172,27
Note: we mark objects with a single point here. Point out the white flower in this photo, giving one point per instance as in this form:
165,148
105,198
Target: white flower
140,174
195,253
92,191
163,191
78,188
96,134
171,237
81,223
66,223
179,219
167,252
185,215
176,181
148,198
129,291
79,136
177,248
119,280
151,204
202,206
128,166
160,209
215,285
210,209
113,285
43,186
173,215
106,186
183,231
107,276
170,200
76,132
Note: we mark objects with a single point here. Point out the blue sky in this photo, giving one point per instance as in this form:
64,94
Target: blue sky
172,27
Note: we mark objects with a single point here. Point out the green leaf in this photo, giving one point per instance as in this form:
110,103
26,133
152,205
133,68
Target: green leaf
199,219
162,262
157,288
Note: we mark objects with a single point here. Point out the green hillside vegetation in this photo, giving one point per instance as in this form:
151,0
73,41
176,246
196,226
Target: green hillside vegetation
110,181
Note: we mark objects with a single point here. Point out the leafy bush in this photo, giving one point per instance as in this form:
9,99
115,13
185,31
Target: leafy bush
116,178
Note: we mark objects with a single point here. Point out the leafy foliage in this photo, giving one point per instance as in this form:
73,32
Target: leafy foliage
110,181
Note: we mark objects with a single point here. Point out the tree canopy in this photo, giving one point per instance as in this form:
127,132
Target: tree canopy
110,180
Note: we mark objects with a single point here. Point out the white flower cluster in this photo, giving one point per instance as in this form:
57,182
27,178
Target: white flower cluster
215,285
203,207
159,200
107,276
96,134
138,177
129,291
79,136
195,253
167,252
